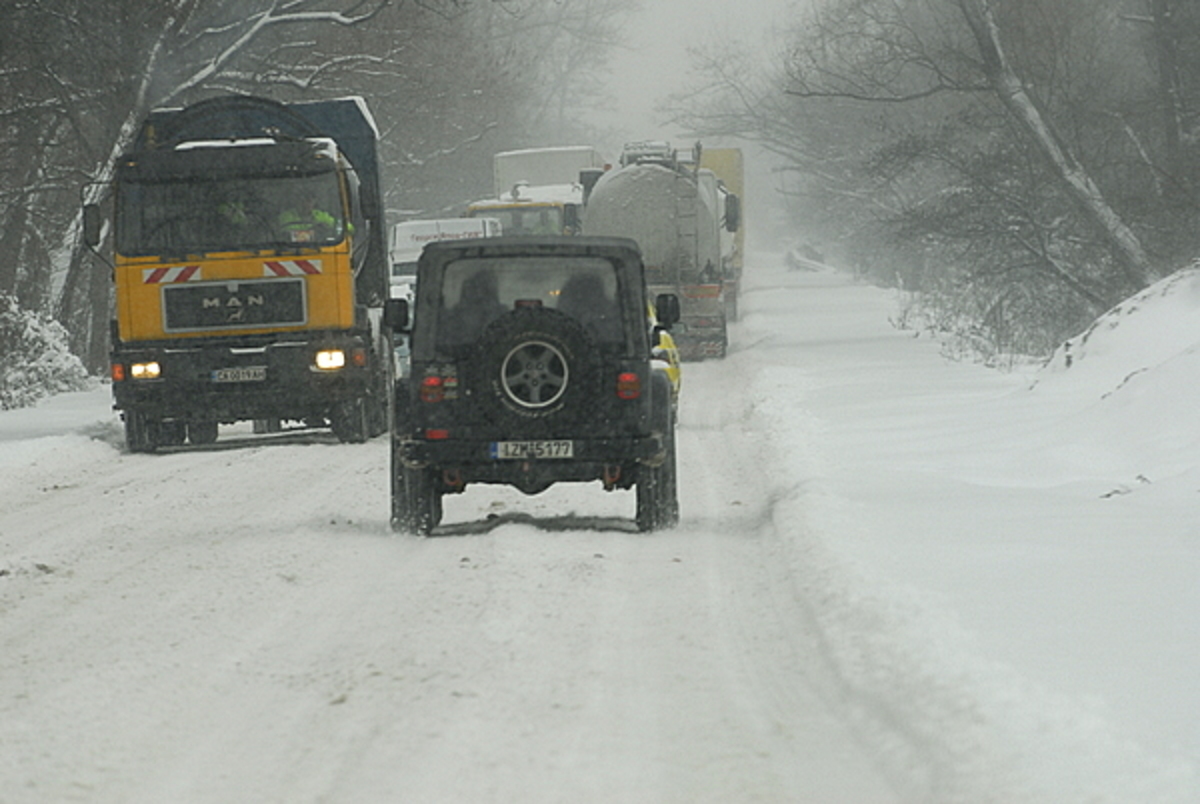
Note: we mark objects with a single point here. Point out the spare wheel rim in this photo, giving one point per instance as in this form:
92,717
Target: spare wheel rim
534,374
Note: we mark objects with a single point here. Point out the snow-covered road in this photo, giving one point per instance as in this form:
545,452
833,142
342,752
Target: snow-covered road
239,624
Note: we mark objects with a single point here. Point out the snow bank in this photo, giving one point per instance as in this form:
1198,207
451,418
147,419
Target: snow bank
35,360
1130,381
1151,329
963,543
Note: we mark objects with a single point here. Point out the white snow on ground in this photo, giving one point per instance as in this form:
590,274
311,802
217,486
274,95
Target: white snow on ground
898,578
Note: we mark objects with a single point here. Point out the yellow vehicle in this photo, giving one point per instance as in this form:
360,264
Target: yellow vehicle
537,190
727,164
665,354
250,271
533,211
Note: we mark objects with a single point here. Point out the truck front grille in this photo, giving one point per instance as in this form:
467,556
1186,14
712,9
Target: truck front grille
233,305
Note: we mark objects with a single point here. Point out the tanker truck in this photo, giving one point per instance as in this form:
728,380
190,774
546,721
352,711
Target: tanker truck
250,271
679,214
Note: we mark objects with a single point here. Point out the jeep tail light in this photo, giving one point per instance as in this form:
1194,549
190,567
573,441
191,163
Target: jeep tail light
433,389
359,357
118,372
629,385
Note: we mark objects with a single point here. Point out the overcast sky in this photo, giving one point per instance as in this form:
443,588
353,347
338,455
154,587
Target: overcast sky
655,63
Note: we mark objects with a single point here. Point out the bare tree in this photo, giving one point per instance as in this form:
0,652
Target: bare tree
1015,97
1008,157
449,81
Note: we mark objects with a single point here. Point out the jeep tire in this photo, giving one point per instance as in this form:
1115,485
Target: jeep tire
416,500
657,486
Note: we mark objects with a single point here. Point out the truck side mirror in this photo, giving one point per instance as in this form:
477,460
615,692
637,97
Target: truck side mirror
587,179
395,315
733,213
666,307
571,218
92,223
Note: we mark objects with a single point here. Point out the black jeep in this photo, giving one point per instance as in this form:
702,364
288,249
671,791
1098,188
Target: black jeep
531,365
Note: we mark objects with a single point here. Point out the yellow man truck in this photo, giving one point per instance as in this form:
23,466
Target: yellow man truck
250,270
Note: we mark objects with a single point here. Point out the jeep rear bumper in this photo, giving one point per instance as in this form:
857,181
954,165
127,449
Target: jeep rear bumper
459,462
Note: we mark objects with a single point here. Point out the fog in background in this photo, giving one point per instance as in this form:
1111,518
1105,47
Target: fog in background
655,63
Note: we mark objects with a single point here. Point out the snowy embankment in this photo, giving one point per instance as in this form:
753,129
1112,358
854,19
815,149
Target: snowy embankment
897,578
1006,568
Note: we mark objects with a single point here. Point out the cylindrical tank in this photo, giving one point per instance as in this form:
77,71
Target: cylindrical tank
664,210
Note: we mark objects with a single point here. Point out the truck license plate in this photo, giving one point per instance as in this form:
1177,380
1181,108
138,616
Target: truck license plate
535,450
240,374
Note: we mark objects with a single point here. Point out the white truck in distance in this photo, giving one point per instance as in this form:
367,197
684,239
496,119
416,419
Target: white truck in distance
537,190
410,237
538,167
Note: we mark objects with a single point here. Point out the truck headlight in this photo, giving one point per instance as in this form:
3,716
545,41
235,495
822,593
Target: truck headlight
145,371
330,359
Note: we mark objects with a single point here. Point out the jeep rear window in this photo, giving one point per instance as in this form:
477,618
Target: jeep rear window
476,292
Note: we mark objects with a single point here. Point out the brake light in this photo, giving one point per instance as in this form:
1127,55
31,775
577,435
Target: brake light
629,385
432,389
437,435
118,372
359,357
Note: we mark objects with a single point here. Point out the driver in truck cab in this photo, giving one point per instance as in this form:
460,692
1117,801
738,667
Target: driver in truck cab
304,222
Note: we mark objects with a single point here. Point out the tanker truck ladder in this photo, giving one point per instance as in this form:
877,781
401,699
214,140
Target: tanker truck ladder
687,228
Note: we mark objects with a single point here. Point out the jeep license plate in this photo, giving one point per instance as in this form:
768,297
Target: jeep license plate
532,450
240,374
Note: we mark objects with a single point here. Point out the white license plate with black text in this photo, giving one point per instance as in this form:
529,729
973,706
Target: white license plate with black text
240,374
532,450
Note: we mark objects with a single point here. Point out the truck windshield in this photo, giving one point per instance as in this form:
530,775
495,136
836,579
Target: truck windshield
476,292
201,215
541,220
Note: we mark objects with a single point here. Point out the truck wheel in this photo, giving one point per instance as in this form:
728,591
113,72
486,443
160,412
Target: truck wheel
349,421
139,434
416,502
657,486
377,413
172,433
201,433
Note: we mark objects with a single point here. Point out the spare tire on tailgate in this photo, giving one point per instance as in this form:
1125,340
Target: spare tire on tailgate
533,364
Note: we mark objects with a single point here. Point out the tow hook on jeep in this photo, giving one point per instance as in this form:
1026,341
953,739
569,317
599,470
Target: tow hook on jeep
612,474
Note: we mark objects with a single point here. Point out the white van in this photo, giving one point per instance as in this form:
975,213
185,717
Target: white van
410,237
